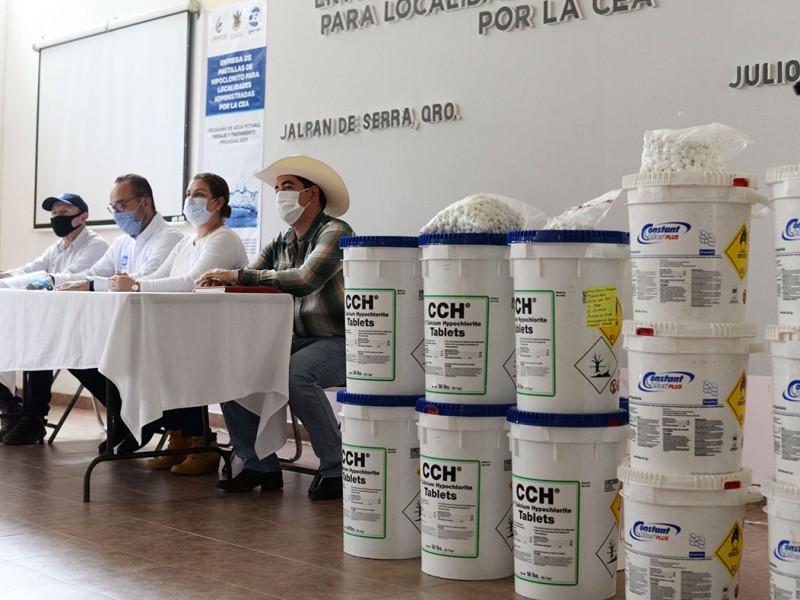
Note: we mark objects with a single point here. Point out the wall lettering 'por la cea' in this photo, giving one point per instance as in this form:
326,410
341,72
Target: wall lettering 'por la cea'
360,14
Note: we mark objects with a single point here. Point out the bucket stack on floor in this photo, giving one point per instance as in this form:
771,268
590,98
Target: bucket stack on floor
385,377
465,464
783,491
567,432
688,349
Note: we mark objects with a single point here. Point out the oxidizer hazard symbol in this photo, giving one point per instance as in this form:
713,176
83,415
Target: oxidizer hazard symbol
598,365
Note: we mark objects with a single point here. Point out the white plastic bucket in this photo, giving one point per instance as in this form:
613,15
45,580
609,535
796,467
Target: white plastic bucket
469,321
465,477
687,394
383,315
568,318
784,349
684,533
785,184
566,503
783,508
380,458
690,245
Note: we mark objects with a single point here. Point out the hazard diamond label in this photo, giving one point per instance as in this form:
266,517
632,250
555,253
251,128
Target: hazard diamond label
616,506
611,333
510,367
506,528
737,251
737,399
598,365
419,354
413,512
729,552
608,550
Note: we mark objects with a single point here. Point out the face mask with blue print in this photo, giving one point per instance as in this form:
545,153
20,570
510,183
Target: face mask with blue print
127,221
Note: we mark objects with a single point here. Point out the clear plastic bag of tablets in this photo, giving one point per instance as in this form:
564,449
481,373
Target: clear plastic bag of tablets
585,215
486,213
699,148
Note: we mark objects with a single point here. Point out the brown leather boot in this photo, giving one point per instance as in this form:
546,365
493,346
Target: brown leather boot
177,441
198,464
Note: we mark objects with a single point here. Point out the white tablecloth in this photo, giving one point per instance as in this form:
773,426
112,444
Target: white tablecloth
162,351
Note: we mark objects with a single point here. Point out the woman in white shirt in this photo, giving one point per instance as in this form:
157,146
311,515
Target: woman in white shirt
214,245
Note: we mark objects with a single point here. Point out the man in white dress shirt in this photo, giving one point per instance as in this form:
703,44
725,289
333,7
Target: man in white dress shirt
148,242
77,250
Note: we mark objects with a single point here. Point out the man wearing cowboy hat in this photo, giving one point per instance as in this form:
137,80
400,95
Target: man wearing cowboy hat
305,261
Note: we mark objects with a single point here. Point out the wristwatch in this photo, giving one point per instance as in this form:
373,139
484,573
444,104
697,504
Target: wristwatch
90,279
135,286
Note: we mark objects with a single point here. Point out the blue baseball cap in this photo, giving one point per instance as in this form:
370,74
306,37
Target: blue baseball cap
66,198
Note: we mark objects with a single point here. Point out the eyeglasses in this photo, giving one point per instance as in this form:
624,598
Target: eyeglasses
119,207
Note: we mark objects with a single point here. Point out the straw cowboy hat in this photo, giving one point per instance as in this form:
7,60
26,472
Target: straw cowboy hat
338,199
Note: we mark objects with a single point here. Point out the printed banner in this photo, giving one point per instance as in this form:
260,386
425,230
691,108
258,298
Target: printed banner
234,121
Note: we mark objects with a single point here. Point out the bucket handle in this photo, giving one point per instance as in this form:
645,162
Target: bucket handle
752,494
760,206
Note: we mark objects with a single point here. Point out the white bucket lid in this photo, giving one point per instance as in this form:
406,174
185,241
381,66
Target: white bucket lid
785,340
779,174
782,333
688,329
716,178
774,490
692,483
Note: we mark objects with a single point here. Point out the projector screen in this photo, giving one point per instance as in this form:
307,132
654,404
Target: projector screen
114,103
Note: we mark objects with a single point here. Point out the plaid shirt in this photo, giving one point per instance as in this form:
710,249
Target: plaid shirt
310,269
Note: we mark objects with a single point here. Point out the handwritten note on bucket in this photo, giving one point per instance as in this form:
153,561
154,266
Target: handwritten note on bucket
601,306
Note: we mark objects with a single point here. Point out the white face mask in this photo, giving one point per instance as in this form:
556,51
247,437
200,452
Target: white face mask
287,203
195,211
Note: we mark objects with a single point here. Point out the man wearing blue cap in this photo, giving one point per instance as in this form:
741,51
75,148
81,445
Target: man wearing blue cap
77,250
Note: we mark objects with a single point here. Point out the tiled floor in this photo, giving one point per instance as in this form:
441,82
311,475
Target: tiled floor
155,535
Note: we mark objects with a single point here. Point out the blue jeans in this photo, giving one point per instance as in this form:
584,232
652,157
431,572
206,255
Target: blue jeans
316,363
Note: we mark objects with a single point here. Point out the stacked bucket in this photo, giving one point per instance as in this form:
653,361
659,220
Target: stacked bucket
465,464
567,432
385,377
783,491
688,346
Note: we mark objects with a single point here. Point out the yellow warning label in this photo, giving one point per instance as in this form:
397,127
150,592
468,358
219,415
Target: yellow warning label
616,506
601,306
737,399
611,333
737,251
729,552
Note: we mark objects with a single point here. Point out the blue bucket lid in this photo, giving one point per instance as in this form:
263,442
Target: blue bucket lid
569,236
378,241
462,239
345,397
536,419
444,409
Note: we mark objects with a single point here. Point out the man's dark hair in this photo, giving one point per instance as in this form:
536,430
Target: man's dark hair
307,183
140,185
